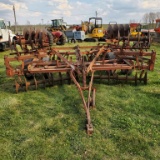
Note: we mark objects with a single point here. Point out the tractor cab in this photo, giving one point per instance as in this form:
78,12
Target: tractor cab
58,24
95,27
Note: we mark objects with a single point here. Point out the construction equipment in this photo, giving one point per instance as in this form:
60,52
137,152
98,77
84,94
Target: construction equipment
94,30
43,65
6,36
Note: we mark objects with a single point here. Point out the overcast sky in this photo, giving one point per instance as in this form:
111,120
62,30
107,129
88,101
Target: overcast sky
75,11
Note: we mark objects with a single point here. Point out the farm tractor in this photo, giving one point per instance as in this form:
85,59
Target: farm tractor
59,37
58,25
57,29
6,36
69,33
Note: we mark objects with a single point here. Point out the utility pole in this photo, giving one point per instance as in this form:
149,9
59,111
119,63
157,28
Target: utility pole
42,21
15,26
96,13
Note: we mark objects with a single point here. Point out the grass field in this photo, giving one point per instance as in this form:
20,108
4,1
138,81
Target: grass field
49,124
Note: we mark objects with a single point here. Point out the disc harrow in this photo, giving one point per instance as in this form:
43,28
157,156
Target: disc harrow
42,65
33,39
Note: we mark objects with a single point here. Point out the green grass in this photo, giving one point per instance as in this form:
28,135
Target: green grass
49,124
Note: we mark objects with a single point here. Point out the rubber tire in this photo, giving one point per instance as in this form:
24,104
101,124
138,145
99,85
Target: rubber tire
50,38
2,47
62,40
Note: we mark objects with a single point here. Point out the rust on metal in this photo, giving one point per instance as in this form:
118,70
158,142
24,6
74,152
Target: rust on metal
43,65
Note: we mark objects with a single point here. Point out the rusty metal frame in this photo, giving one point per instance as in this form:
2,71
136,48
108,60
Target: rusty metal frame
88,60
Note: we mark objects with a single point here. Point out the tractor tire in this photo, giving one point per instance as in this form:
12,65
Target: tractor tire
2,46
73,40
62,40
50,38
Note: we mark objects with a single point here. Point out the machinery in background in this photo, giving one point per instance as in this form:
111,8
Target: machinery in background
157,30
58,24
89,31
135,29
68,33
59,37
94,30
115,30
6,36
57,29
75,35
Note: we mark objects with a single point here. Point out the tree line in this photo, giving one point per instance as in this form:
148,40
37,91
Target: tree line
151,17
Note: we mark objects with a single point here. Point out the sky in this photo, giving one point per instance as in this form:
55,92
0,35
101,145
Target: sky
75,11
